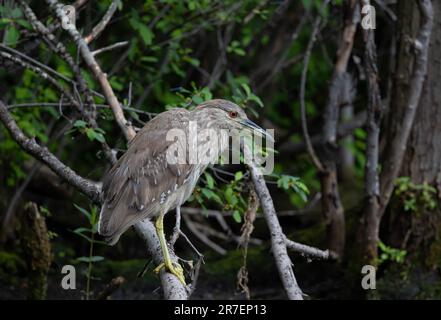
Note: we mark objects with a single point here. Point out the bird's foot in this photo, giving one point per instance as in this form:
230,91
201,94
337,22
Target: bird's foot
173,268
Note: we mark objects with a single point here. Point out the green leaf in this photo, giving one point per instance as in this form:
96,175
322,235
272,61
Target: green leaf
247,89
81,230
237,217
100,137
90,134
229,195
80,124
256,99
90,259
83,211
146,34
197,99
12,36
210,180
240,52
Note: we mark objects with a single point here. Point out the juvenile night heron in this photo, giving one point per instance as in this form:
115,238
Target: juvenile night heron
143,183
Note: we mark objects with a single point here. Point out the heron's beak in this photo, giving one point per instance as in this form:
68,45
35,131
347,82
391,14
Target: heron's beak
255,128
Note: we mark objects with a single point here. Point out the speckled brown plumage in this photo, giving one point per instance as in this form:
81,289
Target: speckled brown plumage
142,183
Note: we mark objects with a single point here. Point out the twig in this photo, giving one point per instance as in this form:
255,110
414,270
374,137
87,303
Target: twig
219,216
59,48
386,9
111,47
89,188
17,195
72,100
96,31
113,285
183,235
44,75
191,226
309,147
101,77
64,104
177,228
307,250
42,66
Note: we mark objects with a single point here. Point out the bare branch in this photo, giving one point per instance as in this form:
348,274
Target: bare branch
96,31
111,47
307,250
280,253
113,285
101,77
374,112
173,289
306,58
201,236
89,188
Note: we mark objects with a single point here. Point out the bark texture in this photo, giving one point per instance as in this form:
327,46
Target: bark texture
37,250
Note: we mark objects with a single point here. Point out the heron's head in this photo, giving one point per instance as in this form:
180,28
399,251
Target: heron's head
228,115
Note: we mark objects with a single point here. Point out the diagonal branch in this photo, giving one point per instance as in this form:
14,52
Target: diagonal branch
100,76
173,289
278,243
96,31
89,188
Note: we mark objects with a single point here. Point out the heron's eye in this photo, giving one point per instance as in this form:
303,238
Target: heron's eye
232,114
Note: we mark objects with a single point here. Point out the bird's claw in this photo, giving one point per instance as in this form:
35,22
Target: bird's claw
173,268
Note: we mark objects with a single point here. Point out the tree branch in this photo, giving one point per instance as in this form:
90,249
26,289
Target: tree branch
307,250
309,147
370,220
87,187
172,287
278,243
101,77
102,24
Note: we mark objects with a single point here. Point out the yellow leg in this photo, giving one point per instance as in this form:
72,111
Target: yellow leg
174,268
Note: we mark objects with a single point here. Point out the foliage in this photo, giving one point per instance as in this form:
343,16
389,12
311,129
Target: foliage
416,198
179,54
390,254
89,233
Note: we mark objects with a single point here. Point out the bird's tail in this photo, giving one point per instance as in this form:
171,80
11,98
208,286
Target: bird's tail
111,236
114,221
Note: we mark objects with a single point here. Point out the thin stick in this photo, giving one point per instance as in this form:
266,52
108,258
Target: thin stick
111,47
96,31
309,147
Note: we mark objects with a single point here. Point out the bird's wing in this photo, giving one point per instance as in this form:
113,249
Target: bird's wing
142,179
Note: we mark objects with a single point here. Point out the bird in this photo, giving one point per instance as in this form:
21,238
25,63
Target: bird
144,183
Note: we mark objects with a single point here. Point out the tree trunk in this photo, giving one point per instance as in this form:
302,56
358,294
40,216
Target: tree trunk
419,228
37,250
414,35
